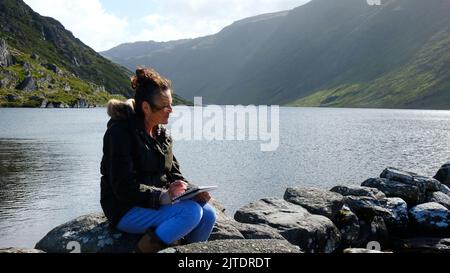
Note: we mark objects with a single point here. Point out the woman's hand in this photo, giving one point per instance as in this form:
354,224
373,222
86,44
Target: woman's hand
177,188
203,197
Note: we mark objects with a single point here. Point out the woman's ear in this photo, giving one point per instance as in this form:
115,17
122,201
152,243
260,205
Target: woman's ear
146,107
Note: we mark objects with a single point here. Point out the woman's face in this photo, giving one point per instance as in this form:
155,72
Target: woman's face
160,114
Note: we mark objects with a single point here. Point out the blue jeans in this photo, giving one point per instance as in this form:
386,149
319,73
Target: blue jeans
187,219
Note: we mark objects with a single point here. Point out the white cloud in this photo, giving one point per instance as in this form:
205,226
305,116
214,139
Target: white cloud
168,19
178,19
86,19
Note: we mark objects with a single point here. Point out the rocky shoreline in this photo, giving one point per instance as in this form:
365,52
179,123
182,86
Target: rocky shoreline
396,213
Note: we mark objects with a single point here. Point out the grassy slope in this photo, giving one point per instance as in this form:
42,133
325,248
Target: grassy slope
422,83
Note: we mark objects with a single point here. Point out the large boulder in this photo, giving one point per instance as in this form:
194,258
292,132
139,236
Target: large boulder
313,233
443,174
408,192
398,219
237,246
425,184
87,234
441,198
316,201
432,219
359,191
226,228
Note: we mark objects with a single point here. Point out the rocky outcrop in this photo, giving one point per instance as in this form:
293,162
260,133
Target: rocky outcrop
316,201
237,246
6,59
313,233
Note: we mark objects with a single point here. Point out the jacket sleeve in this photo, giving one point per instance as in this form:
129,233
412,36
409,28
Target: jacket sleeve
122,175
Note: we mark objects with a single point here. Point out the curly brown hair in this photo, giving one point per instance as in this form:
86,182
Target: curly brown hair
148,85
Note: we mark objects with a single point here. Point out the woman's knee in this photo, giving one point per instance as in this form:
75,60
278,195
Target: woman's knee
193,210
209,213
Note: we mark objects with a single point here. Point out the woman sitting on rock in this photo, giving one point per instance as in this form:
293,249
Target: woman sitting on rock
140,175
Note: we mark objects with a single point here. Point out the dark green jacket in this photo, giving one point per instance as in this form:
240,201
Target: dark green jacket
135,167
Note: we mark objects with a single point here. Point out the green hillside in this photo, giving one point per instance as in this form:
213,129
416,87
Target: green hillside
43,64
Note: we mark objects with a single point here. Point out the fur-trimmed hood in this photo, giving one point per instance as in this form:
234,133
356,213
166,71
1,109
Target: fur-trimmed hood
121,110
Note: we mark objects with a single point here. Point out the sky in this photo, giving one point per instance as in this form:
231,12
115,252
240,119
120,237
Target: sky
103,24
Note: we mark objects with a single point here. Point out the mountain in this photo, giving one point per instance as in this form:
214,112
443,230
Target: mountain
42,64
342,53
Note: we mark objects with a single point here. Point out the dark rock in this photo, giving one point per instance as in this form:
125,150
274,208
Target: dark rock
359,191
6,58
374,230
443,175
410,193
237,246
431,219
34,56
441,198
424,245
313,233
348,224
11,98
316,201
425,184
398,219
28,84
93,234
366,208
53,67
12,250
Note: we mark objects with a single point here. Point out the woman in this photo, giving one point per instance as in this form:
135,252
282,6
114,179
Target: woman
140,175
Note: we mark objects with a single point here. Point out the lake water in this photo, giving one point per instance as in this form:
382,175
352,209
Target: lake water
49,159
